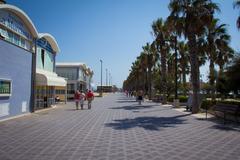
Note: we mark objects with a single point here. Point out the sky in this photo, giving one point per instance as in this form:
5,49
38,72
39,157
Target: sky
111,30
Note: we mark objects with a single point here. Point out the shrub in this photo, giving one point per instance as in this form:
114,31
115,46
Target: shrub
183,99
170,98
207,104
230,102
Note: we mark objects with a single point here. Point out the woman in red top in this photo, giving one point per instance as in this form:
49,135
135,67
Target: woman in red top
77,98
90,97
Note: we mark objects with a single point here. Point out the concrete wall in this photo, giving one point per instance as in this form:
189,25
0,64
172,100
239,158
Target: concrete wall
15,64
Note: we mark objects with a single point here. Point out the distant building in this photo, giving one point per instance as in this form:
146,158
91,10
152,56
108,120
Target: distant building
105,89
78,76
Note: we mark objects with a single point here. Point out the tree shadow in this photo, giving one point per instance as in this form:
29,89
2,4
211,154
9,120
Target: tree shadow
229,127
134,107
148,123
126,101
71,109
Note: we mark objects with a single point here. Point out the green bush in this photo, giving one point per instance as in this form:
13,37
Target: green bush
183,99
207,104
229,102
170,98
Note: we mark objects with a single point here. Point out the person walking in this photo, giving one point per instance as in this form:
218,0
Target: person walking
82,98
77,99
90,97
140,97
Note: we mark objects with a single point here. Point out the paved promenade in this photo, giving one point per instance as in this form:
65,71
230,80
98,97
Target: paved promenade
117,129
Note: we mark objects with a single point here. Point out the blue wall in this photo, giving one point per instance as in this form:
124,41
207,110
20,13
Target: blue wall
15,64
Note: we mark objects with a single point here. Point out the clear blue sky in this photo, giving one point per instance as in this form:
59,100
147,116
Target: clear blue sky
111,30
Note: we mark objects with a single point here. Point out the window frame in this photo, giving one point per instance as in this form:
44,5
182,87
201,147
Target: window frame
10,88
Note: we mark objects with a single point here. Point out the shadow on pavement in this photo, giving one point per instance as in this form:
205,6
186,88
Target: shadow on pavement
148,123
71,109
134,107
230,127
126,101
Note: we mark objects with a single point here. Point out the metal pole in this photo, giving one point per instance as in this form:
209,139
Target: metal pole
106,77
101,78
109,79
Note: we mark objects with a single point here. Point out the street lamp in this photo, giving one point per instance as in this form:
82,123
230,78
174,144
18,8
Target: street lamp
106,77
109,79
101,79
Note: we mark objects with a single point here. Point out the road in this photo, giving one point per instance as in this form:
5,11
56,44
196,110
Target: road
117,128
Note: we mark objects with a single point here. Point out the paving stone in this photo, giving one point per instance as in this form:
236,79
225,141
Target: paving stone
117,128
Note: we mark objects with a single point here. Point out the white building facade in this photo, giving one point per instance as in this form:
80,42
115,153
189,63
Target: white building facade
78,76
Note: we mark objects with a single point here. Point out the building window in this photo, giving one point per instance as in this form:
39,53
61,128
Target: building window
5,88
42,57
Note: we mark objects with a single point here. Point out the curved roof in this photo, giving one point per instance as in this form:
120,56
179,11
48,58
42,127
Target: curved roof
52,41
27,21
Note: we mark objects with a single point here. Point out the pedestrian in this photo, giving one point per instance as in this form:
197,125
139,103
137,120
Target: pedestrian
90,98
82,98
77,99
140,97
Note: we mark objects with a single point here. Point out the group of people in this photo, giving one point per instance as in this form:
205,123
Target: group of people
80,97
139,95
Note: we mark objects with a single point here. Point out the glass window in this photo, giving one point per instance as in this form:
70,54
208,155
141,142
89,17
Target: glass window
5,87
49,61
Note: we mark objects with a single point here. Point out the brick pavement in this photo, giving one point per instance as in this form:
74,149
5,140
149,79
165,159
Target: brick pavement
117,129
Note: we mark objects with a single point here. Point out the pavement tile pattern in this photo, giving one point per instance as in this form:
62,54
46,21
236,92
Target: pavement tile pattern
117,128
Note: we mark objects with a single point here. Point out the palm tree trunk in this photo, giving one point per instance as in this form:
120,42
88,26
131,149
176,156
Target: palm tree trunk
163,67
149,83
212,79
194,72
184,81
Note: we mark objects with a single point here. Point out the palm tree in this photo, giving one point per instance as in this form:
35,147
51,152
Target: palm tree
225,52
215,33
184,60
149,52
160,31
237,5
195,15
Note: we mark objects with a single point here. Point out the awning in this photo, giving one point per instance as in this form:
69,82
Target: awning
46,78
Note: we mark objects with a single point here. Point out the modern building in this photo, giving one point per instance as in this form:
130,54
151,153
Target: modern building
78,75
47,81
27,62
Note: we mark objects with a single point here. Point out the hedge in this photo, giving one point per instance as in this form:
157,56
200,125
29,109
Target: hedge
208,103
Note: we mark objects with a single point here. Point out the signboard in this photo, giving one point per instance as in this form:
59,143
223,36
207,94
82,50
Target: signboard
44,44
5,88
12,22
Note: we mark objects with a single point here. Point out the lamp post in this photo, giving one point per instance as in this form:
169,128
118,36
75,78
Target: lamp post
106,77
109,79
101,78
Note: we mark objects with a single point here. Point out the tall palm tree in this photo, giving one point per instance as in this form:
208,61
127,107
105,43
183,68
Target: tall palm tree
149,52
215,33
237,5
184,64
225,52
196,15
160,32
